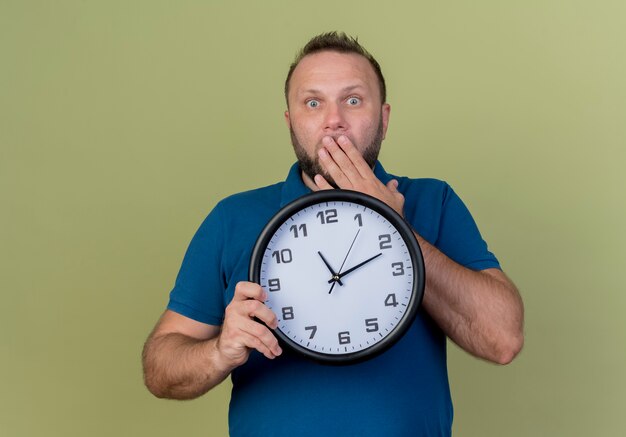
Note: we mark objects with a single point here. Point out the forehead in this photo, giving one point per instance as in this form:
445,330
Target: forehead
332,70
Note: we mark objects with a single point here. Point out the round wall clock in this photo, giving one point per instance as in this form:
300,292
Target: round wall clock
343,272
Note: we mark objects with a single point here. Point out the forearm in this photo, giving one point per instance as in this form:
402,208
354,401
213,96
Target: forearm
481,312
180,367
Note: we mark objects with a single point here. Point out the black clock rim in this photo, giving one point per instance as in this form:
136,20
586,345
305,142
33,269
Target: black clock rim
407,235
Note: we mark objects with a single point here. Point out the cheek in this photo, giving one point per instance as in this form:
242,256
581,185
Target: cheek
363,129
305,129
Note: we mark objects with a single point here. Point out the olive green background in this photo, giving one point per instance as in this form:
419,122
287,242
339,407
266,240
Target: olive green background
123,122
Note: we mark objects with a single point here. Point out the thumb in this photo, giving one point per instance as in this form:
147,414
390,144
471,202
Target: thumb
393,185
397,202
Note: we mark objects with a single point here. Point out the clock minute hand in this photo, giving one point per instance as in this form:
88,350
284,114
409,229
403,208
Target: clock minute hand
350,270
335,277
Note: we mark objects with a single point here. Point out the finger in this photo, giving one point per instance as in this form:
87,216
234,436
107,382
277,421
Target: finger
322,183
397,201
240,331
266,340
249,290
253,308
359,163
393,186
252,342
342,159
333,169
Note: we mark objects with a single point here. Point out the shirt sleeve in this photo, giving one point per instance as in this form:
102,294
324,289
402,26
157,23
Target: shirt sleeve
199,289
459,237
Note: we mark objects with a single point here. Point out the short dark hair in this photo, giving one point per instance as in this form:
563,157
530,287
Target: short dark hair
341,43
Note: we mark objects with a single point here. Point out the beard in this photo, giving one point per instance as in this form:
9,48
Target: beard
311,165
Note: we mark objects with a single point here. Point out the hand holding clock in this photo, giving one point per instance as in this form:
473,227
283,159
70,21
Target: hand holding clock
343,161
241,333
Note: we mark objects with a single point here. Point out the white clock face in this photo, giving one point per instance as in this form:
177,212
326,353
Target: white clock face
339,276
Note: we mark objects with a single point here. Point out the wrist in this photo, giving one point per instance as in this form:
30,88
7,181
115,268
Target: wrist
220,363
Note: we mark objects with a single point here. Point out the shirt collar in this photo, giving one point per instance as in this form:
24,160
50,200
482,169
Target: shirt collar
294,187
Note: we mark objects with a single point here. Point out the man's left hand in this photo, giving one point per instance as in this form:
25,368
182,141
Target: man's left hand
345,164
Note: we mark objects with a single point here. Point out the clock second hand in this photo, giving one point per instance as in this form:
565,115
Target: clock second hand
336,278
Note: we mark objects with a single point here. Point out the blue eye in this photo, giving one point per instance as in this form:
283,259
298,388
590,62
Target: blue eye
312,103
354,101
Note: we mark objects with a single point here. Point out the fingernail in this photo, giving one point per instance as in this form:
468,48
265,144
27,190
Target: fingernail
327,140
342,139
322,153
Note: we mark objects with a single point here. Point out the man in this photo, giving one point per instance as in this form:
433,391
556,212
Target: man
338,117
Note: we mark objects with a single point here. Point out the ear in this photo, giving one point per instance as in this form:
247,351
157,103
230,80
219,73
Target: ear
385,111
287,120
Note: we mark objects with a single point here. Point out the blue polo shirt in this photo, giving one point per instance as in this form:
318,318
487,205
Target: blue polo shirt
402,392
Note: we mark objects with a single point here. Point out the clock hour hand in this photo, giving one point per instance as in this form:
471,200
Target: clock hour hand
350,270
332,272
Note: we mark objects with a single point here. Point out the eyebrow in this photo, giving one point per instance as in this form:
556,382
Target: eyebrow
344,90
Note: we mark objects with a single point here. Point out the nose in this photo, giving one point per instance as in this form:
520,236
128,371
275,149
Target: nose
334,119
